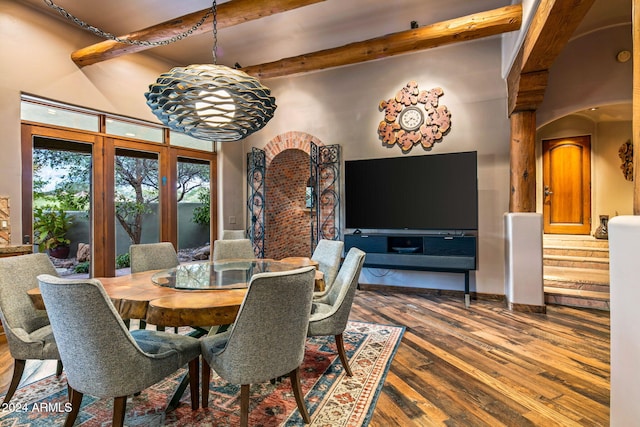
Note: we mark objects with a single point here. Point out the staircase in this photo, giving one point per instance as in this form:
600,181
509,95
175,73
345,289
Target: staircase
576,271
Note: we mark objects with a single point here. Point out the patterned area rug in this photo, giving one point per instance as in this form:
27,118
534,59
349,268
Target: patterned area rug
332,398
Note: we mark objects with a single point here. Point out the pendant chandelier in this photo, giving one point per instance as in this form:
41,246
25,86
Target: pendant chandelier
210,101
206,101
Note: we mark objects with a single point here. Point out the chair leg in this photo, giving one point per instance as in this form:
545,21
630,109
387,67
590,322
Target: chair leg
59,368
119,411
206,377
244,405
18,369
160,328
194,376
297,392
143,324
343,354
75,397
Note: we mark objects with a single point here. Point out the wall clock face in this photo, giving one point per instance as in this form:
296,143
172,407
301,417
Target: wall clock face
411,118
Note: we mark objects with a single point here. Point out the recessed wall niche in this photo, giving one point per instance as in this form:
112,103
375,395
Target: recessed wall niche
288,225
5,229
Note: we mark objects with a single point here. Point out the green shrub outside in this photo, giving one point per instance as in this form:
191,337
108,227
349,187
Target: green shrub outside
123,261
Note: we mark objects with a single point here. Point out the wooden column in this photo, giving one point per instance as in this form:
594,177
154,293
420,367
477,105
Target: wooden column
522,196
636,108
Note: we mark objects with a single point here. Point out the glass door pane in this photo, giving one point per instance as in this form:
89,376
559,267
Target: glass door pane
137,210
194,206
61,203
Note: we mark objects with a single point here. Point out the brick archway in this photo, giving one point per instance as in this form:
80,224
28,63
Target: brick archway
288,223
289,140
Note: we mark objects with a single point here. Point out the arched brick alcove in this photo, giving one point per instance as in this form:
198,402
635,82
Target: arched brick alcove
288,223
289,140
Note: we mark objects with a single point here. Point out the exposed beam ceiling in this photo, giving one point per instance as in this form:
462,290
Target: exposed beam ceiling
471,27
552,26
228,14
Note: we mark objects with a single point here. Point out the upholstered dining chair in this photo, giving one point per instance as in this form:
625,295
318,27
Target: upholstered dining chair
233,234
236,248
328,253
27,330
330,313
101,357
152,256
267,339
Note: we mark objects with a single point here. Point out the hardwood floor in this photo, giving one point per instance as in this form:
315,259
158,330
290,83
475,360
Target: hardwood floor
488,366
485,366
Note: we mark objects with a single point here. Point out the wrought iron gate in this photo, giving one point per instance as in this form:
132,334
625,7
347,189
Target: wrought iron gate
256,191
325,181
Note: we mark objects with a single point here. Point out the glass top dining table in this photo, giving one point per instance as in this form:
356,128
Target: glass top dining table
154,297
223,274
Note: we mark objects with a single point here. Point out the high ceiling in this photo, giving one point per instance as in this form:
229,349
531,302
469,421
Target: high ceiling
322,25
327,24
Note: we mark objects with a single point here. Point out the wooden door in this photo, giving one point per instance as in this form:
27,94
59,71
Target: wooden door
567,185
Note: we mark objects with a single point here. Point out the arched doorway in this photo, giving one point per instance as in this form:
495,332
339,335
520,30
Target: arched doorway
295,179
287,221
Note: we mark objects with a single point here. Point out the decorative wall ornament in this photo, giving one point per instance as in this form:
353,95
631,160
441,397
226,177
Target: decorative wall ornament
626,155
414,117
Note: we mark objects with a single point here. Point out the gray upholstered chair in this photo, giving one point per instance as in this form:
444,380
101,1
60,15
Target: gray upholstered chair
236,248
152,256
328,254
233,234
27,330
102,358
267,339
330,313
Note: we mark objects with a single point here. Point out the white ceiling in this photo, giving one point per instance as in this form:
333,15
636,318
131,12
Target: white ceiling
323,25
330,23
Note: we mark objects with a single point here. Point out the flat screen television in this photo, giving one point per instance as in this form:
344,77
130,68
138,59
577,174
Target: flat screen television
431,192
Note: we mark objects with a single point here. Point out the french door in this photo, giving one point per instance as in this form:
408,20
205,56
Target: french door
133,189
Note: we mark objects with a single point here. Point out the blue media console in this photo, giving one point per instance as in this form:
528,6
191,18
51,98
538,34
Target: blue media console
429,252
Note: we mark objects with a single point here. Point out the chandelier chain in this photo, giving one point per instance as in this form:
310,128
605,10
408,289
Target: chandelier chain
106,35
214,10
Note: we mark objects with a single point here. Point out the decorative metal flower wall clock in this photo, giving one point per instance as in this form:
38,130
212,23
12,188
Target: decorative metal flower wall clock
414,117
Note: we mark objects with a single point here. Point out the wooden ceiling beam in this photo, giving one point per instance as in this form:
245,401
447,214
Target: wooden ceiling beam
553,24
231,13
466,28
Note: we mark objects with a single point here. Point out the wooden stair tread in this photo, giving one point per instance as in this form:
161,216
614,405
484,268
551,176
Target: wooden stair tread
576,271
577,293
577,247
577,275
577,258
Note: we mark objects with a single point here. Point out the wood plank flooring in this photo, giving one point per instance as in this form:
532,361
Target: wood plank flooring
488,366
483,366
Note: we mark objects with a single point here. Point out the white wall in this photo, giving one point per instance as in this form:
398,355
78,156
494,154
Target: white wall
512,41
35,53
624,246
587,74
231,186
340,106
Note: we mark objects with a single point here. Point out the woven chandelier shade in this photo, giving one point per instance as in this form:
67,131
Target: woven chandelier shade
211,102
